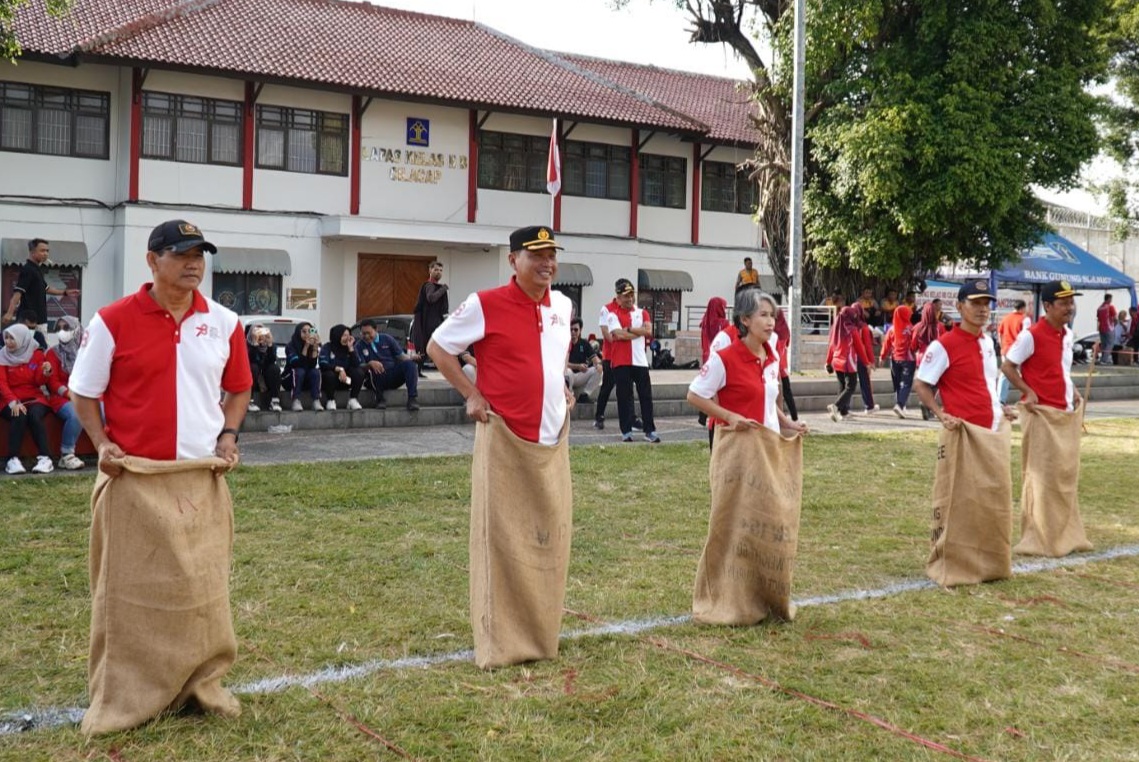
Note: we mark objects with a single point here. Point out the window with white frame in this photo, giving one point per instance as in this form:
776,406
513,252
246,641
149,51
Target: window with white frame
191,129
54,120
663,180
300,140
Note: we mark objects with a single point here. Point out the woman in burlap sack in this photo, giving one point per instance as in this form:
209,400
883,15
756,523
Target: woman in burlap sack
755,472
521,495
155,363
972,488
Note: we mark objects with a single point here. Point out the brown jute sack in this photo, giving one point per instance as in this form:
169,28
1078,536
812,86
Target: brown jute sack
972,506
521,522
161,630
744,573
1050,522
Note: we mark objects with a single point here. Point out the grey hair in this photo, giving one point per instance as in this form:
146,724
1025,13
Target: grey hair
747,303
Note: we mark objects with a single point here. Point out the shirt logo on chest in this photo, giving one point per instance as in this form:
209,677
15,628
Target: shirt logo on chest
207,330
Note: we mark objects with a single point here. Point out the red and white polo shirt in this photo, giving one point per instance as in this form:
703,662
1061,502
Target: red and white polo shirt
161,381
626,352
723,339
521,346
745,384
963,367
1044,355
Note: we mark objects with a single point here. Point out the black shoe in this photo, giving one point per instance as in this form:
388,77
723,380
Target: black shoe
583,398
412,405
599,423
381,403
638,424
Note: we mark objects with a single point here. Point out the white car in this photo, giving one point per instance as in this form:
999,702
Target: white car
282,329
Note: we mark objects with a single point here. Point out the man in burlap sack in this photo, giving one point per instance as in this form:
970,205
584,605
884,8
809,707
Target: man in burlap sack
521,497
972,487
756,475
1039,364
161,516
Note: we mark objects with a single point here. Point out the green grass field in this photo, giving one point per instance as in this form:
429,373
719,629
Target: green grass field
351,563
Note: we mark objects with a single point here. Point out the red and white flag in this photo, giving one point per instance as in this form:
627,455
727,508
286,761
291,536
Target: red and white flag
554,165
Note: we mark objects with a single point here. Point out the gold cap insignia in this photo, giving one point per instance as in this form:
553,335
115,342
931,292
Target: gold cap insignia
543,234
187,229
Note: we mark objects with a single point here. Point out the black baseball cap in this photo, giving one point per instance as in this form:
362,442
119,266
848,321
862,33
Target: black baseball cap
533,238
623,286
1057,289
975,289
179,236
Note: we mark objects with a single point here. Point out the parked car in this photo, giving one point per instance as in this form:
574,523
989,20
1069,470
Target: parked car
282,329
1082,348
396,326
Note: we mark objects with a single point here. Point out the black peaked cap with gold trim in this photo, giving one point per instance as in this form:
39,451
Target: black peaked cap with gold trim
533,237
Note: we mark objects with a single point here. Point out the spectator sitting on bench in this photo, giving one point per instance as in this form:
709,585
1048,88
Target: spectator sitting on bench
69,331
339,367
302,357
263,364
386,365
23,370
28,318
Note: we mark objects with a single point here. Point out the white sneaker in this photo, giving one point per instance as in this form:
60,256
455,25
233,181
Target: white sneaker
43,465
899,411
253,408
354,404
330,406
871,410
275,405
319,407
15,467
835,415
70,463
297,406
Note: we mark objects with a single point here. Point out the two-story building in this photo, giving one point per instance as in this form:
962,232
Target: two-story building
333,149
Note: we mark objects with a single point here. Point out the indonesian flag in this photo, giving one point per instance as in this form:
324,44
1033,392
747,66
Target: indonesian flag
554,165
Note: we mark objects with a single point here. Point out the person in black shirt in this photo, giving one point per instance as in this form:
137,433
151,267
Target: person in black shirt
583,369
29,297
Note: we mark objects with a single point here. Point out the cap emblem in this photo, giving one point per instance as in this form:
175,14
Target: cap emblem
543,234
186,228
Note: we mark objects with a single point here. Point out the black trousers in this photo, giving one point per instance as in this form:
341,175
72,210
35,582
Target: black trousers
607,382
628,376
330,382
18,424
849,384
267,383
789,398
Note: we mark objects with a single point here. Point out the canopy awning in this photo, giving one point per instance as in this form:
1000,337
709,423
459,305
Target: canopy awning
63,253
573,274
663,280
259,261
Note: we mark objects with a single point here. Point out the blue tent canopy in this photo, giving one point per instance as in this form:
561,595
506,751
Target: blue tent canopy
1057,258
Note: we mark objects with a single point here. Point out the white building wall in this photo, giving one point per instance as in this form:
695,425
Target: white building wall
660,223
722,228
30,174
178,182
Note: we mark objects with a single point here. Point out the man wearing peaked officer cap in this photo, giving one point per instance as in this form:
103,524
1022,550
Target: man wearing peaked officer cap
156,363
1039,364
975,439
521,498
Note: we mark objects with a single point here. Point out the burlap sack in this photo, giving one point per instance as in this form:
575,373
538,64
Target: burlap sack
1050,522
161,630
521,522
972,506
744,573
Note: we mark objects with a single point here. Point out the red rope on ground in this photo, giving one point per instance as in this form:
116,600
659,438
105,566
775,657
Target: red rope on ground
773,685
1116,582
1123,665
342,713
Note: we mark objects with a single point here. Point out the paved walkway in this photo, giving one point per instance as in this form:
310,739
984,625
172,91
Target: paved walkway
362,444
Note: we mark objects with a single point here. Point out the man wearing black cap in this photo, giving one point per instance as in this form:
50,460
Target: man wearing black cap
629,331
521,496
29,295
156,363
972,483
1039,364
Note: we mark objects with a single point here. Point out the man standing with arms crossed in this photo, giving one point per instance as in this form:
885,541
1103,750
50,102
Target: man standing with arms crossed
521,494
158,361
1039,364
629,329
971,481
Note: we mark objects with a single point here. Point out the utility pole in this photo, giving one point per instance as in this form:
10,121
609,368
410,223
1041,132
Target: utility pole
796,237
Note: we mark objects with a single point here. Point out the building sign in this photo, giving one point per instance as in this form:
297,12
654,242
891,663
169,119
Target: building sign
418,131
410,166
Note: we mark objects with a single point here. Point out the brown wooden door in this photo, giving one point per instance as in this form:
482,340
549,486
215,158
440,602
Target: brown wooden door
388,285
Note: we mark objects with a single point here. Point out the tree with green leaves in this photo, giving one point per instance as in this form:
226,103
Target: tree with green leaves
1120,120
9,45
926,126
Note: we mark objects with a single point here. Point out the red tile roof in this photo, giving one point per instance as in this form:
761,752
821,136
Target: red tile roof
355,46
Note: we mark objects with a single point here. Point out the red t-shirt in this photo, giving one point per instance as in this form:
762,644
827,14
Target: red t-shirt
742,383
963,367
1044,355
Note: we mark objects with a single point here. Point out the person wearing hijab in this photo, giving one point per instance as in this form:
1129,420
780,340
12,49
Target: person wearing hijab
782,345
263,365
69,331
302,358
23,370
339,367
903,362
715,320
846,349
929,329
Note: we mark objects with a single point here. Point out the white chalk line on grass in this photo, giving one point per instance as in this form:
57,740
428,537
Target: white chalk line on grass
46,719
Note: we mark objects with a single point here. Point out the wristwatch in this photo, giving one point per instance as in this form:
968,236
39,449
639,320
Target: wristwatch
229,431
